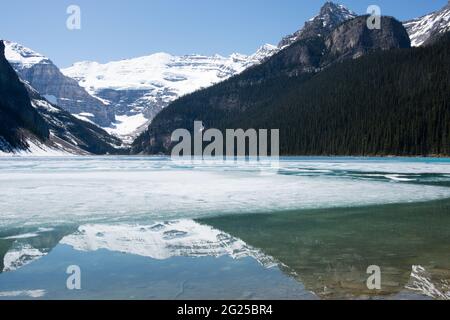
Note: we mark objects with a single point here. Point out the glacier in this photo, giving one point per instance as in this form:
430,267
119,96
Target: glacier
139,88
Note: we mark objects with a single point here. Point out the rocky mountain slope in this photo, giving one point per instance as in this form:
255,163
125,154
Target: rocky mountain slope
426,29
44,76
224,105
18,117
31,124
67,131
386,102
330,16
123,96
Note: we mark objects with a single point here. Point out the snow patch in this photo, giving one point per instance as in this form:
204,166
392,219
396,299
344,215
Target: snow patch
164,240
38,149
20,257
17,54
421,29
24,293
85,116
127,125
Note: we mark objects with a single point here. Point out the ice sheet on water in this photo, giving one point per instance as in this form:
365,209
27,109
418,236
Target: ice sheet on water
84,190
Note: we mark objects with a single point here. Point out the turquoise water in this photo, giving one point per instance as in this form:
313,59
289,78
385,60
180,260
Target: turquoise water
152,228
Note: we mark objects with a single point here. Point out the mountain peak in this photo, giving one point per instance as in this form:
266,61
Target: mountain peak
22,56
330,16
331,6
267,47
333,13
265,50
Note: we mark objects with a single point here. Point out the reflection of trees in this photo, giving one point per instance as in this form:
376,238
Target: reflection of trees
329,250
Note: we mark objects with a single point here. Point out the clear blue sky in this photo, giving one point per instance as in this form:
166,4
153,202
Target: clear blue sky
118,29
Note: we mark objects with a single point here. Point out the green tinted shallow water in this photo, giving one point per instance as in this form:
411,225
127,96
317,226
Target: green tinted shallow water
329,251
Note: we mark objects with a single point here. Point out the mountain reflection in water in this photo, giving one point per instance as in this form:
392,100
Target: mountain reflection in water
326,251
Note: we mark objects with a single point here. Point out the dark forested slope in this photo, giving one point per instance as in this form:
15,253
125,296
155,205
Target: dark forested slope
386,103
315,92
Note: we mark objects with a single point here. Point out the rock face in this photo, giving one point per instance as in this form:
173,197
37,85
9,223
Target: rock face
427,29
17,116
350,39
72,134
26,118
331,15
353,39
44,76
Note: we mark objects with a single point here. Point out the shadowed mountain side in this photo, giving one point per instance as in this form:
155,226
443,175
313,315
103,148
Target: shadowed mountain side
258,98
17,115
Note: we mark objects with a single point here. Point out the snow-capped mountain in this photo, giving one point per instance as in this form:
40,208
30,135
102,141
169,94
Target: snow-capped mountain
40,72
137,89
330,16
123,96
425,29
68,134
29,123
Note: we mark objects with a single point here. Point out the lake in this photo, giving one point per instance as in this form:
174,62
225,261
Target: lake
156,228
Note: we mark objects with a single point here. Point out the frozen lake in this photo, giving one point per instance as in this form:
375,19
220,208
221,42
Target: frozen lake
37,191
151,228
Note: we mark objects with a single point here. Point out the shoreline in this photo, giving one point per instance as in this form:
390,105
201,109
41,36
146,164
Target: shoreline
5,155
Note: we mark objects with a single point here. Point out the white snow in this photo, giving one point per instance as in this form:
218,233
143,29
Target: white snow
162,77
127,125
422,28
163,240
44,104
17,258
37,149
85,116
17,54
161,72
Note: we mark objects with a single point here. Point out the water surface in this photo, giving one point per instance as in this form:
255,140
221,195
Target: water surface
152,228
